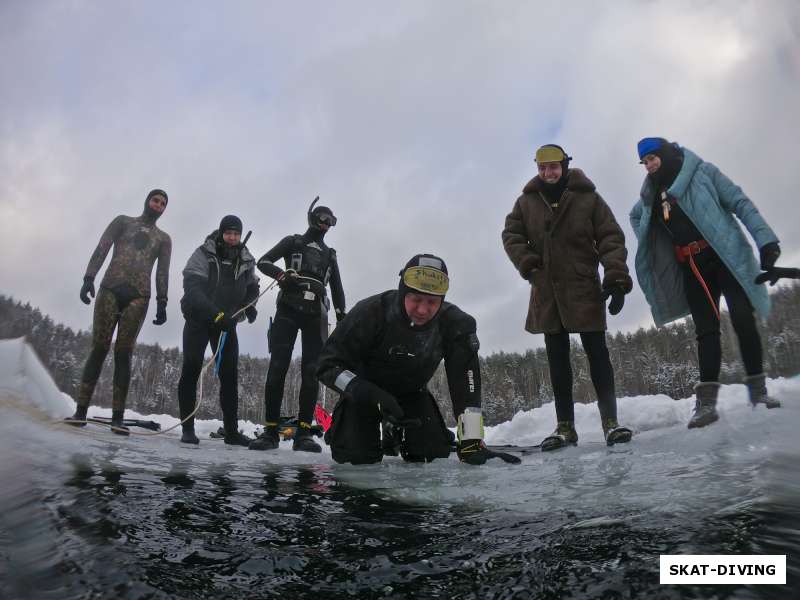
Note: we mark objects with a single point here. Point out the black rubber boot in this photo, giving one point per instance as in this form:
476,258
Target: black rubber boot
304,440
237,438
267,440
615,433
116,423
757,386
705,406
79,418
564,435
188,436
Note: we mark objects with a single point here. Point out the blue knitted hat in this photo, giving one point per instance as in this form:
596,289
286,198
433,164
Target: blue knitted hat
649,145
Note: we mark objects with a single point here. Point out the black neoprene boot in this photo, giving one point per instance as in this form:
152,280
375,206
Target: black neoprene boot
267,440
304,440
79,418
188,436
116,423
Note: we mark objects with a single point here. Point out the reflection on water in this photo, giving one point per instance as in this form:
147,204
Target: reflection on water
176,530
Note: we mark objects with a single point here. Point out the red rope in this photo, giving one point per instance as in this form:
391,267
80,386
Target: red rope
699,277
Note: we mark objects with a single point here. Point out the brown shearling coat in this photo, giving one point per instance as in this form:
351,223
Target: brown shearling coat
559,252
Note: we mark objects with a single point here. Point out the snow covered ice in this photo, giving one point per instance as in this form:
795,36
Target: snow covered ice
666,467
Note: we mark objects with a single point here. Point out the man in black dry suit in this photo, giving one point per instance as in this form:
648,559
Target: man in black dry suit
380,359
310,265
218,281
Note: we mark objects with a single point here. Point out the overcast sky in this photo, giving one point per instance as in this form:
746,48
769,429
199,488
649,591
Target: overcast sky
416,122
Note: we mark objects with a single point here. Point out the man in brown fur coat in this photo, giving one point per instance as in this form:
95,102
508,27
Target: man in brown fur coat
558,232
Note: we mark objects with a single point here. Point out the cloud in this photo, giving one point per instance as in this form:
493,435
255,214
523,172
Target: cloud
415,122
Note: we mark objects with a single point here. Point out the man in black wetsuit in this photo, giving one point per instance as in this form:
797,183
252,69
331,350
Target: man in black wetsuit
310,266
123,298
218,281
380,359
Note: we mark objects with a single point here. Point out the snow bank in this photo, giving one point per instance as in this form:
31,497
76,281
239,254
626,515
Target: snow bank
23,377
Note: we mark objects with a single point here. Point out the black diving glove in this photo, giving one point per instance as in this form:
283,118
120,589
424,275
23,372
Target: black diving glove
251,313
364,391
470,447
340,314
224,322
288,280
161,312
87,289
475,452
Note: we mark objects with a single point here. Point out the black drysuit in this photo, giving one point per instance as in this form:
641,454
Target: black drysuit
302,306
377,342
215,280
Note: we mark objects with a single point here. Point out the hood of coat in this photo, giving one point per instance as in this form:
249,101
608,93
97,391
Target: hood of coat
678,188
577,181
210,246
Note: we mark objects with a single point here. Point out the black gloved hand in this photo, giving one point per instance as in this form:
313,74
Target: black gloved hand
769,253
251,313
475,452
340,314
161,312
617,294
365,391
775,273
224,322
87,289
288,280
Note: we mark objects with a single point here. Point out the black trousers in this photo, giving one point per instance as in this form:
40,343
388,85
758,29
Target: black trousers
720,281
282,336
196,336
355,433
600,370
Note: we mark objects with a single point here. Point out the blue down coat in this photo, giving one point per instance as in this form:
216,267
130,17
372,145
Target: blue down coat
710,200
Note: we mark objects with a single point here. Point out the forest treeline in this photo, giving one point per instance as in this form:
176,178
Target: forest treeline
648,361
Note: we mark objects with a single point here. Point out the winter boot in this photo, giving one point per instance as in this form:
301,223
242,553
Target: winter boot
614,433
564,435
79,418
237,438
188,436
304,439
756,385
117,423
705,406
268,440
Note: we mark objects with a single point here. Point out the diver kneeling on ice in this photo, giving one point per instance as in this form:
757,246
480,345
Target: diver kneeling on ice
380,358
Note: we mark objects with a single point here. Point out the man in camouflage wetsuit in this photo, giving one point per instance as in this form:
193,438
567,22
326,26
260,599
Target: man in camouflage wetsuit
123,298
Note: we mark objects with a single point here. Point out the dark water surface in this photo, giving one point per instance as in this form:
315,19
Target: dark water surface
114,522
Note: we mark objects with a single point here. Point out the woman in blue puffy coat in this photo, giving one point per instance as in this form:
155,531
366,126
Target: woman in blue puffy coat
691,251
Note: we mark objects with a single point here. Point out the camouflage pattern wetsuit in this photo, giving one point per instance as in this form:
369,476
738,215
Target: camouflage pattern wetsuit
124,295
